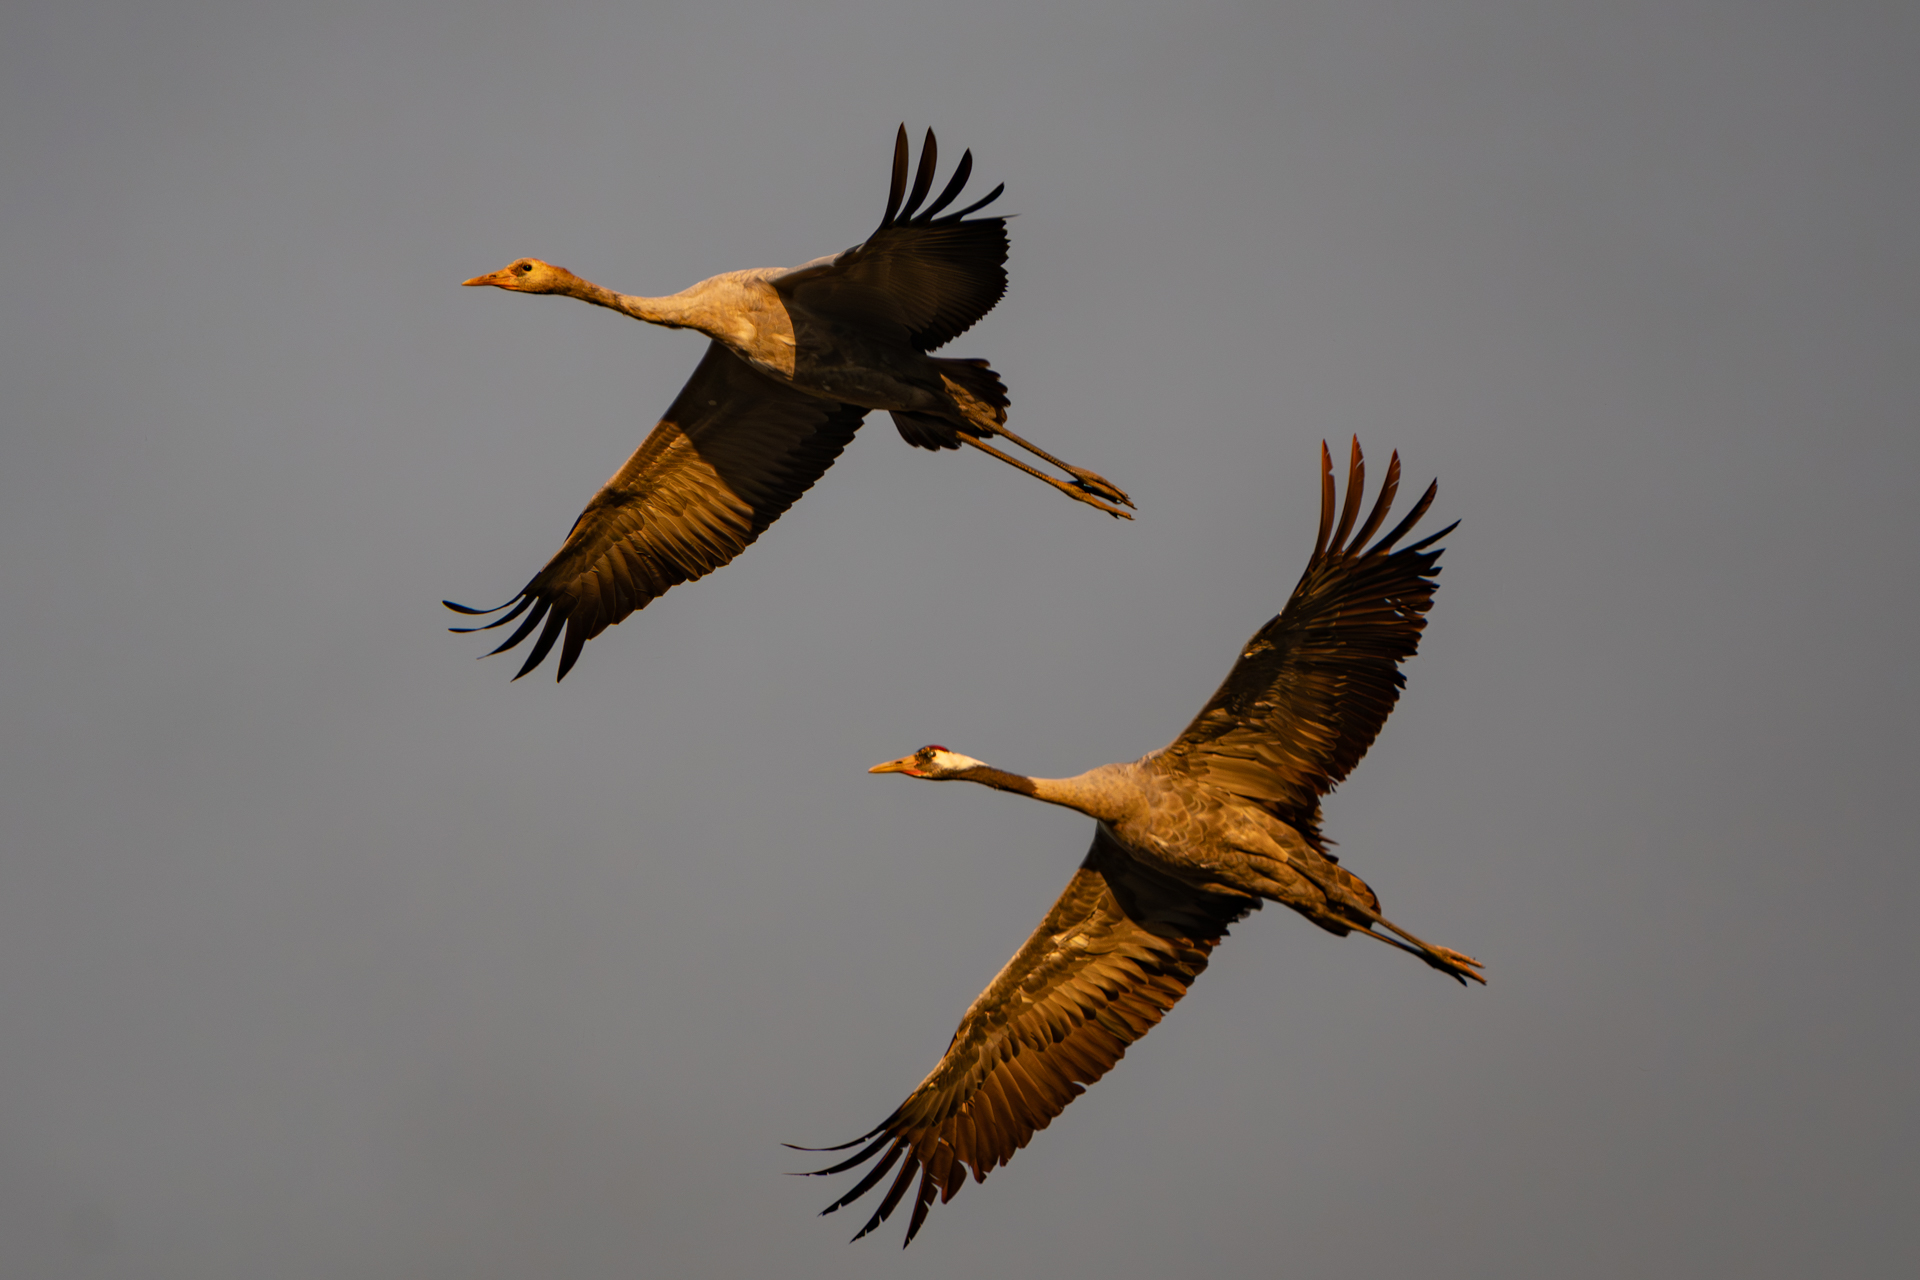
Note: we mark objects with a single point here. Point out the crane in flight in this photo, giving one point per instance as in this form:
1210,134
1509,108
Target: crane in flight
1188,840
796,359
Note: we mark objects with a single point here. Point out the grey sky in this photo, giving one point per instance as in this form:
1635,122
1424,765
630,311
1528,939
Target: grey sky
325,951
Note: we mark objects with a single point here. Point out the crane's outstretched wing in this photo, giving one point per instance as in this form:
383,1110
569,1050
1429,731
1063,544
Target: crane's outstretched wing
1118,950
1313,686
933,276
734,451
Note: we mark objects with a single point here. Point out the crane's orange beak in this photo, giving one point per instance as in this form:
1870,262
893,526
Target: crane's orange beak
498,279
905,764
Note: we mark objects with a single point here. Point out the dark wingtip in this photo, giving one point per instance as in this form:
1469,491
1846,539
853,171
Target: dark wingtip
1350,506
954,185
520,632
898,190
1432,538
922,177
1326,505
871,1133
982,203
548,634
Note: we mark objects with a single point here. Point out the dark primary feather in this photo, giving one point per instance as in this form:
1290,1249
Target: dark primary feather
1312,687
1118,950
734,451
934,276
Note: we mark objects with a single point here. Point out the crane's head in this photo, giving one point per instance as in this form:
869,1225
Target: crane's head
529,275
929,762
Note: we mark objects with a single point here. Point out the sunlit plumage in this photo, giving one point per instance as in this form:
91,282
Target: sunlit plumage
1190,839
797,359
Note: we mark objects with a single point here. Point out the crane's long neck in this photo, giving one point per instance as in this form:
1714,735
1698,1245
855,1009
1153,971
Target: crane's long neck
675,312
1087,793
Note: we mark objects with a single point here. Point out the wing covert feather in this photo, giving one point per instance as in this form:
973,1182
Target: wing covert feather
1117,951
735,450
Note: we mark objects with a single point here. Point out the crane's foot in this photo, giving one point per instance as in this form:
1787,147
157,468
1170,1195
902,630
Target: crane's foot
1086,487
1457,963
1098,485
1091,482
1078,491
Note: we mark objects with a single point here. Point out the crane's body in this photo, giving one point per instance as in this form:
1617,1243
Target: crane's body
1200,835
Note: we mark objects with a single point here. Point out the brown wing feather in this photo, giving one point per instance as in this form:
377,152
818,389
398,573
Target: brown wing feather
734,451
1313,686
1119,949
933,276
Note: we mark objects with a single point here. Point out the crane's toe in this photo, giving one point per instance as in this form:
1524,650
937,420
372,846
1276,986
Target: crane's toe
1099,485
1460,964
1079,493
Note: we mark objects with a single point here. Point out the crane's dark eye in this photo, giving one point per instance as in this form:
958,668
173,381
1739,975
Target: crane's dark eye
523,267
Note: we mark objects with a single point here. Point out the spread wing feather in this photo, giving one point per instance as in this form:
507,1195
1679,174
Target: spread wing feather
1118,950
734,451
934,276
1313,687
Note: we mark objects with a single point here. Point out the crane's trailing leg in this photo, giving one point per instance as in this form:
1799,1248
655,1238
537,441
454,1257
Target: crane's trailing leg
1077,492
1345,903
1090,481
981,399
1455,964
1445,959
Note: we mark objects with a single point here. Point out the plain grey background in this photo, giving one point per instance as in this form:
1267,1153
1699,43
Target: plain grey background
325,951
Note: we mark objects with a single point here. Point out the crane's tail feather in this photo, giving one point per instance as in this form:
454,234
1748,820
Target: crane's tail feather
924,431
977,392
